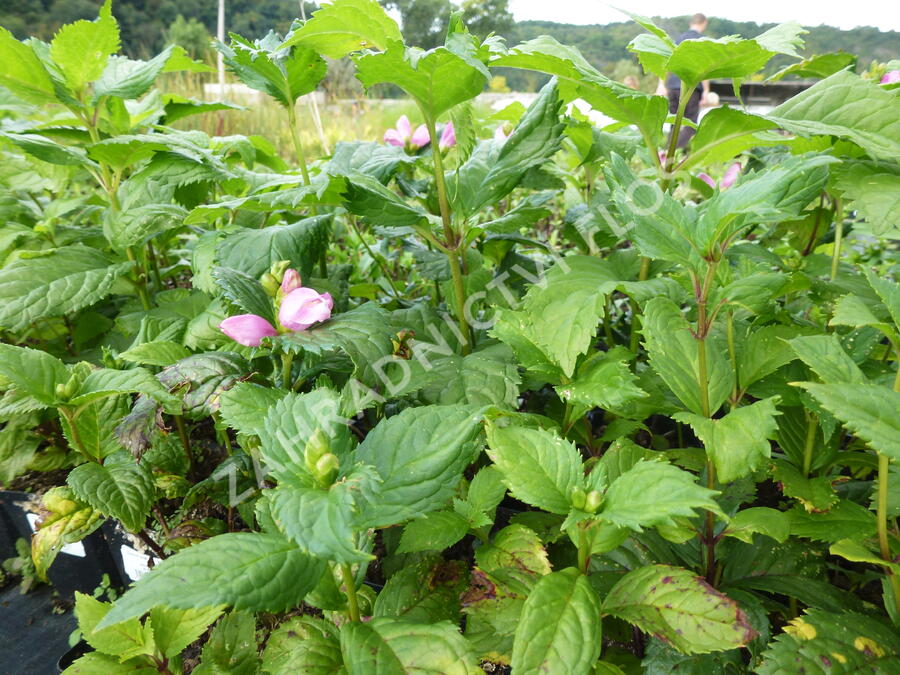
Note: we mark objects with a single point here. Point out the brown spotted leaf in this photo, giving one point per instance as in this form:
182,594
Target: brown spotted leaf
674,605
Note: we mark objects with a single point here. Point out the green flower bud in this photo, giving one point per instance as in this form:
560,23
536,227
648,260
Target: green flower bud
578,498
270,284
327,469
592,501
317,447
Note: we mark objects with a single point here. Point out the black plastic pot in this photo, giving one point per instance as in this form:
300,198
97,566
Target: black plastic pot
73,655
79,567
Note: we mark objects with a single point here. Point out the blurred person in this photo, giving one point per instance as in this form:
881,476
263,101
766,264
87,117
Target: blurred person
695,31
631,82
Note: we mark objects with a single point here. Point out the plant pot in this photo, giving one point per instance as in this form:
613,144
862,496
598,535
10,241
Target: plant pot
73,655
78,567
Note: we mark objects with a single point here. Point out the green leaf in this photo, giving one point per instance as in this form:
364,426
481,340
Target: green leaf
847,106
827,359
384,646
104,382
420,455
175,629
81,49
759,519
303,644
33,372
320,521
437,79
245,406
120,487
696,60
816,494
889,292
559,630
92,432
64,521
244,291
231,647
245,570
516,547
845,642
125,640
433,532
200,379
602,382
673,354
875,192
486,490
283,74
487,377
252,251
426,591
48,150
724,133
495,169
64,280
538,466
346,26
363,333
818,66
566,307
23,73
160,353
843,520
129,79
737,443
95,663
680,607
289,422
654,493
867,410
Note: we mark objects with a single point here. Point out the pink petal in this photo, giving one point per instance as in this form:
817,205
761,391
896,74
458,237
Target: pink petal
706,178
404,127
393,137
420,138
247,329
303,307
891,77
731,175
290,281
448,136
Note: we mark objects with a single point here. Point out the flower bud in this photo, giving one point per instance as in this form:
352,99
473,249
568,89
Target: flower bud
247,329
578,498
326,469
270,284
317,447
592,501
290,281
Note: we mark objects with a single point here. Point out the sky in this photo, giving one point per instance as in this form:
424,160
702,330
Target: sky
883,14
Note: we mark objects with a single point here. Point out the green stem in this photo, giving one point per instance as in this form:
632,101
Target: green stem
838,236
810,444
710,536
287,360
140,280
452,240
732,354
676,129
607,323
154,266
379,260
350,590
298,145
183,435
76,435
882,516
584,556
635,315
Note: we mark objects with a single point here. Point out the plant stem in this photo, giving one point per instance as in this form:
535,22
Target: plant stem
379,260
883,542
838,235
298,145
287,360
710,536
183,435
141,280
635,316
676,129
452,241
810,444
145,537
350,590
584,557
732,354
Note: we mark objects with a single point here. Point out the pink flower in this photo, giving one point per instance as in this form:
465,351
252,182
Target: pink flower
662,157
500,134
401,134
290,281
448,137
303,307
891,77
706,178
420,138
247,329
731,175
